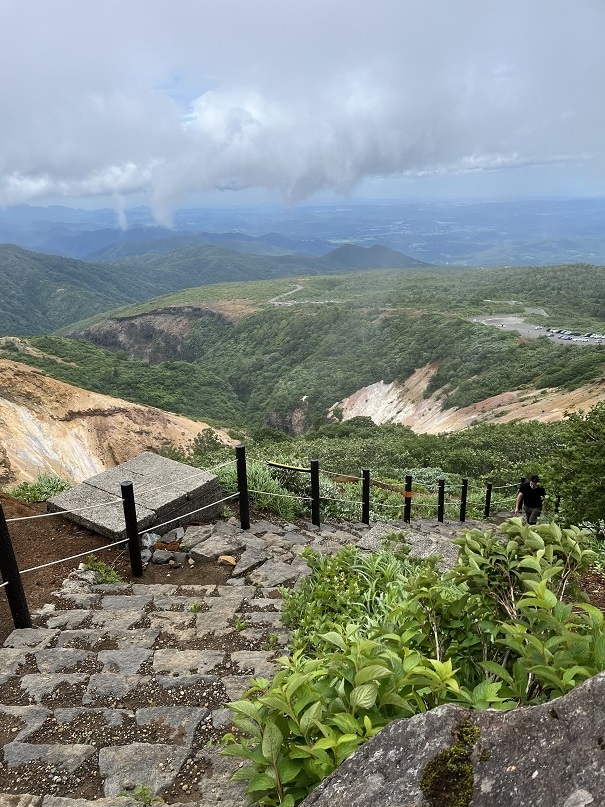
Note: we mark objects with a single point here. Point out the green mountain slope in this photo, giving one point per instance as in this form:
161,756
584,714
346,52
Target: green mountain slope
274,343
41,293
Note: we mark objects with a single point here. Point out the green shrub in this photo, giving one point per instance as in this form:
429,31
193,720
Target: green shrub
352,586
104,573
265,492
381,637
44,487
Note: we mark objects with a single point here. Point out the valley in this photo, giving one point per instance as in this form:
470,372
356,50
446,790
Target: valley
281,352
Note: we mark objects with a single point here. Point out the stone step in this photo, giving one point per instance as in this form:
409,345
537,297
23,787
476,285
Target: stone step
113,698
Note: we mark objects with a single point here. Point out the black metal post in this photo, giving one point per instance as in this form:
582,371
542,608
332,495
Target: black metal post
11,576
132,529
440,499
315,492
365,496
407,505
463,497
488,499
242,487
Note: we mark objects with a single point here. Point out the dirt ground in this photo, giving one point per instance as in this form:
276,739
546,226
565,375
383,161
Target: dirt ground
42,540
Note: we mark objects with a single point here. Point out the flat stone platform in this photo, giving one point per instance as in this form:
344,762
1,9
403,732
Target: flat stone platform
163,490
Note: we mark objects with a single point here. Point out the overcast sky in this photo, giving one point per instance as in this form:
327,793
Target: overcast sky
156,100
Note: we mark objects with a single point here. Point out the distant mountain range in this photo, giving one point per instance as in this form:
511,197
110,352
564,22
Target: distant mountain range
462,233
42,293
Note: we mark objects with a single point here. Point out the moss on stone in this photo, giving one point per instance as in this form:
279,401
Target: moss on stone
447,780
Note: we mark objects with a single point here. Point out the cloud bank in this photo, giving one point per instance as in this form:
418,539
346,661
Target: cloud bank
171,98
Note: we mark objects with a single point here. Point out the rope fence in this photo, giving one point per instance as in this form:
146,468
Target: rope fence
190,513
457,495
73,557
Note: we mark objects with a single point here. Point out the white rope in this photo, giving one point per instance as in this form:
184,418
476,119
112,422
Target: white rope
64,512
222,465
140,490
72,557
348,477
281,495
392,506
340,501
120,501
3,584
191,513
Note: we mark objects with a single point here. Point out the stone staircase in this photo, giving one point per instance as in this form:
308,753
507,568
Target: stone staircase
119,694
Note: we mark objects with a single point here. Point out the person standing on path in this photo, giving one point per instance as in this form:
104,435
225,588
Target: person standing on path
531,494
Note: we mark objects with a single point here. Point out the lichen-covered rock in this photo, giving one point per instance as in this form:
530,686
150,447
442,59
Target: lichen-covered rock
545,756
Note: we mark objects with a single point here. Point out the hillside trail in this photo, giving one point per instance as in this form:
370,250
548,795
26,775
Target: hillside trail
118,693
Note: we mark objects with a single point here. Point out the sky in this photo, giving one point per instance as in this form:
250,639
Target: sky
230,101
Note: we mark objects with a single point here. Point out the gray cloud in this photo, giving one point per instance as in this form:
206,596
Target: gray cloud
293,97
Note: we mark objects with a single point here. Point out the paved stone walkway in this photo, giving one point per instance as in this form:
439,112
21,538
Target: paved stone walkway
124,686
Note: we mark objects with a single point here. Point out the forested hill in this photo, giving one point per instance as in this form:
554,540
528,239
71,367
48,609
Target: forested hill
43,293
251,352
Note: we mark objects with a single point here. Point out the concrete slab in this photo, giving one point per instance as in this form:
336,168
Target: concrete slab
100,516
163,489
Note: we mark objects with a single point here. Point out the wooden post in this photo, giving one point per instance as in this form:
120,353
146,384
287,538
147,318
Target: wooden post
132,529
440,499
242,487
11,576
463,497
488,499
365,496
407,505
315,492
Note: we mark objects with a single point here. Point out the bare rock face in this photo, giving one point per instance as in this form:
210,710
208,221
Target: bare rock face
404,401
545,756
51,426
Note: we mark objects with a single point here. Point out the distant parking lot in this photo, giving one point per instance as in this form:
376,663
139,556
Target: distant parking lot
516,323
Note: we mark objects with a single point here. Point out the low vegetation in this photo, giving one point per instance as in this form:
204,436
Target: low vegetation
104,573
44,487
379,637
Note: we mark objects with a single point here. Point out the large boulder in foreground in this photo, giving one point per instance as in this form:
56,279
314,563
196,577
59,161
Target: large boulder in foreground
544,756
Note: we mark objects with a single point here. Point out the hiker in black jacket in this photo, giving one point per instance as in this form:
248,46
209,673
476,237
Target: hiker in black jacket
531,494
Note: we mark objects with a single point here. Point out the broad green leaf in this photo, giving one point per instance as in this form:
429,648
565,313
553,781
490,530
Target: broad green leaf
574,672
243,774
346,723
309,717
246,708
261,782
370,673
324,744
294,683
348,738
247,727
598,650
363,697
272,741
530,563
442,668
287,770
334,638
595,613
